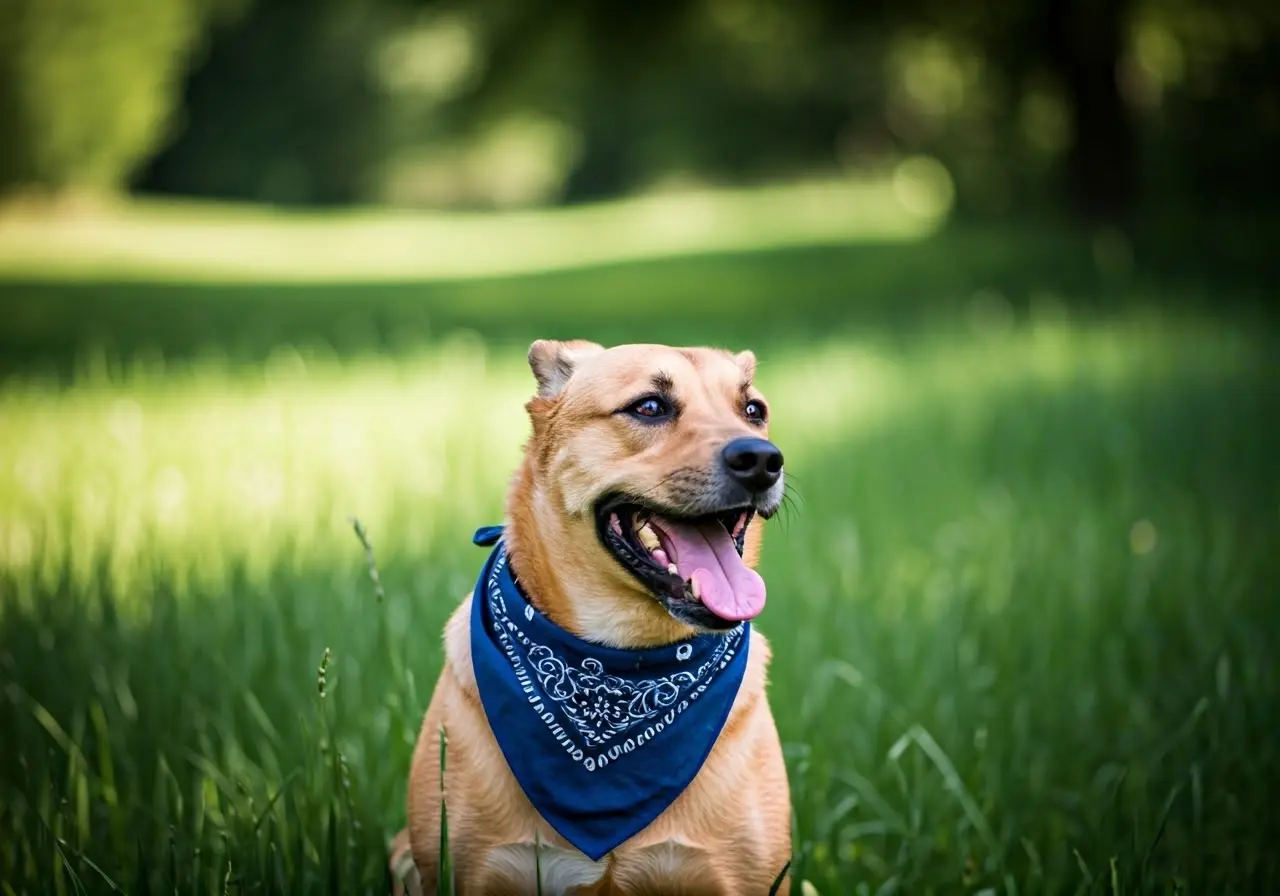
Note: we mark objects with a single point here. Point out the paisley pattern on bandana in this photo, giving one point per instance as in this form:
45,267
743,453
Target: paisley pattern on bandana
600,739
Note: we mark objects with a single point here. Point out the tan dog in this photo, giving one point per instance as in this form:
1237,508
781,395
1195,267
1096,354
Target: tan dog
642,456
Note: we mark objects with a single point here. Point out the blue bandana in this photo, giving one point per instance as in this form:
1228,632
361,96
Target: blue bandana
601,740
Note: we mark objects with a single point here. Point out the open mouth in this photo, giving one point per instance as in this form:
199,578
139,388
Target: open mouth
692,564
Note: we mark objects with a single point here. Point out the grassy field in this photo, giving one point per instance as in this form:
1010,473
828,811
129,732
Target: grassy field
1023,615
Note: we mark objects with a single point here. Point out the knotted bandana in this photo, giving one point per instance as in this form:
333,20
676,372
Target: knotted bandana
601,740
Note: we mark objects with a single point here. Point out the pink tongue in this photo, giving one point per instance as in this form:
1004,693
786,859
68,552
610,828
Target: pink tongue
705,553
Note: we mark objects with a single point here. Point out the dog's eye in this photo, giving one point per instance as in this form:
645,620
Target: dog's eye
755,411
651,408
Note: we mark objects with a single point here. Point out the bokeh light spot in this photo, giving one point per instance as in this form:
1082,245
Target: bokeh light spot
1143,537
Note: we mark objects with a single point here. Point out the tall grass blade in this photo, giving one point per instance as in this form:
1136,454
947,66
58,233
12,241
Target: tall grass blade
778,881
444,874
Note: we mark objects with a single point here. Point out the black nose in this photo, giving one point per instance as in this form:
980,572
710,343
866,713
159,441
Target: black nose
756,463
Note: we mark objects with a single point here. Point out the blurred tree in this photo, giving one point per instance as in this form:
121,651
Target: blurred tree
1032,107
285,106
1207,79
87,87
720,89
1083,41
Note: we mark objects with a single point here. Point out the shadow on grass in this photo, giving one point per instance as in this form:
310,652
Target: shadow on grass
722,299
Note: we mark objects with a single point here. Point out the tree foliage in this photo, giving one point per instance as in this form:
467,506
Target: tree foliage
1092,105
88,87
285,106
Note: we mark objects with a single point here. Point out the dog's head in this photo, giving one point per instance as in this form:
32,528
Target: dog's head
644,481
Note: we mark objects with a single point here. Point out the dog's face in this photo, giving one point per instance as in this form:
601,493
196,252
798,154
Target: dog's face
657,462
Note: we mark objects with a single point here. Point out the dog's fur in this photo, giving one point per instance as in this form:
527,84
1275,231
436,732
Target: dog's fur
729,831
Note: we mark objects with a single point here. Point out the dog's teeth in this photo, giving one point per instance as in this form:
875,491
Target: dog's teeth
615,524
694,589
671,568
648,538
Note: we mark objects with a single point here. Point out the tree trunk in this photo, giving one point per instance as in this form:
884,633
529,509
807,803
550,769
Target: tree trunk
1083,41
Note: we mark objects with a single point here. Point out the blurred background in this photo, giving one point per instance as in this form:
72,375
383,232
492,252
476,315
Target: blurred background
269,265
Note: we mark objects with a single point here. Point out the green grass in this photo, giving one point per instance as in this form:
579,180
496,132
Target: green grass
228,286
221,243
1023,614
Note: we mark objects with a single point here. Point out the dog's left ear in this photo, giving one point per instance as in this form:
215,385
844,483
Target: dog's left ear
553,362
746,361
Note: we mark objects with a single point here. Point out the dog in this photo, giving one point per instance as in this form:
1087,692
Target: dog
632,527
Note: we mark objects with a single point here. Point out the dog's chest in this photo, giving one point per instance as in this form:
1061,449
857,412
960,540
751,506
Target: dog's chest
547,869
668,866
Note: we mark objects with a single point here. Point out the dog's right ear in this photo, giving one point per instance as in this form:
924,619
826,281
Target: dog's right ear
553,362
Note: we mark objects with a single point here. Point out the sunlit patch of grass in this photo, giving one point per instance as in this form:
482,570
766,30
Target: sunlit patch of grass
195,466
202,242
1020,608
